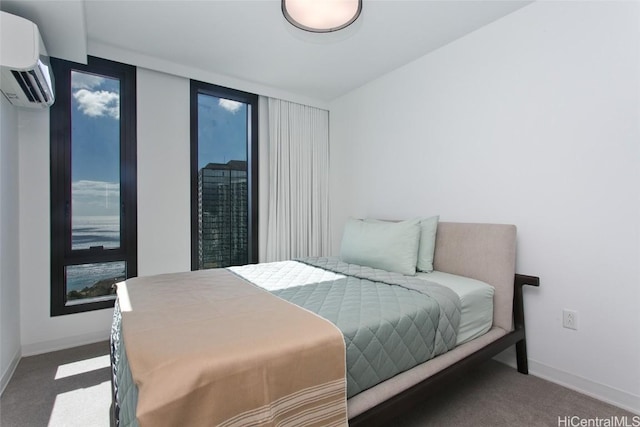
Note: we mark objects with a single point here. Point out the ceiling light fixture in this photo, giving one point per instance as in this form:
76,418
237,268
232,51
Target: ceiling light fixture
321,16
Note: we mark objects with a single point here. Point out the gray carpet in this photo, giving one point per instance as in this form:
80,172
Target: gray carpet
72,388
63,388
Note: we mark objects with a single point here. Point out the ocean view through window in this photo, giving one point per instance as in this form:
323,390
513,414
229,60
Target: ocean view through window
93,194
88,231
94,280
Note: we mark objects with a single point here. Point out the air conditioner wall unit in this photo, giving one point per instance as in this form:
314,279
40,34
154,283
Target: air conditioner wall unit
26,79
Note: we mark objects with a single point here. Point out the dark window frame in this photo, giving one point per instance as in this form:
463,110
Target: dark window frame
251,99
60,142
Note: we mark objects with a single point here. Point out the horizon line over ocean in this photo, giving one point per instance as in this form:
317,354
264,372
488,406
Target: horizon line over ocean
88,231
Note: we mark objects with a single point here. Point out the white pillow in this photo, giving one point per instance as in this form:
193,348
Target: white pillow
391,246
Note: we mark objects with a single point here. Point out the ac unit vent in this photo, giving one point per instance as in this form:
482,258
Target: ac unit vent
31,86
25,75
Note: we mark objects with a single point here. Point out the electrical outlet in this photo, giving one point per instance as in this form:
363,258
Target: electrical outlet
570,319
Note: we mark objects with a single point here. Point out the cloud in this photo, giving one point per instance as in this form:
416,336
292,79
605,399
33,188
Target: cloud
95,197
85,81
229,105
98,103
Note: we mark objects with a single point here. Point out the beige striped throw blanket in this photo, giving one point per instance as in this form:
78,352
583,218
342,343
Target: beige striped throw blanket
208,348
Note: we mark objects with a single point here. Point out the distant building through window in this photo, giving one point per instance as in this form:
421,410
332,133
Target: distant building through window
223,214
224,177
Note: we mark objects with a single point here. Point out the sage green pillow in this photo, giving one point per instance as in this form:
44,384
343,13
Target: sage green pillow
427,247
391,246
428,228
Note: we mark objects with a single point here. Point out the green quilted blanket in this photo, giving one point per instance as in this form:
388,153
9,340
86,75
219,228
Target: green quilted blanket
390,322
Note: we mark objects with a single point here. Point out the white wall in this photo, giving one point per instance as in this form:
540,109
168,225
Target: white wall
532,120
164,198
9,243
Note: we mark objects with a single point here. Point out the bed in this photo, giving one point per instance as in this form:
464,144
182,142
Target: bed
473,284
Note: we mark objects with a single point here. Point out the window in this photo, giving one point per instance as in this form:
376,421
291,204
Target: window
224,173
93,183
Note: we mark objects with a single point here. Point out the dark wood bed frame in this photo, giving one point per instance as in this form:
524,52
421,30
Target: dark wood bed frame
382,414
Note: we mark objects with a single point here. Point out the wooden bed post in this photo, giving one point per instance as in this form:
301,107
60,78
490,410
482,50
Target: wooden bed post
518,318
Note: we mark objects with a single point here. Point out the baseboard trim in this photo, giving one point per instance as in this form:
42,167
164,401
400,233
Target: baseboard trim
63,343
8,373
605,393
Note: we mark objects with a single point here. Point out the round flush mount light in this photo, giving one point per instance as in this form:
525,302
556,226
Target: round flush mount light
321,16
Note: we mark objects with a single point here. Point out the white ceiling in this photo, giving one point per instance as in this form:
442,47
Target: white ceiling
251,41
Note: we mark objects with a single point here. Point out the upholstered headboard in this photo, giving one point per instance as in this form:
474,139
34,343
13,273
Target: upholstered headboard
485,252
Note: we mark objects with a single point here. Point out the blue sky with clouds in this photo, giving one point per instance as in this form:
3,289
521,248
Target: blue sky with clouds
95,149
95,104
95,121
222,130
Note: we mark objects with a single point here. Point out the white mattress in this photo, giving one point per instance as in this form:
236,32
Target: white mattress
477,303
